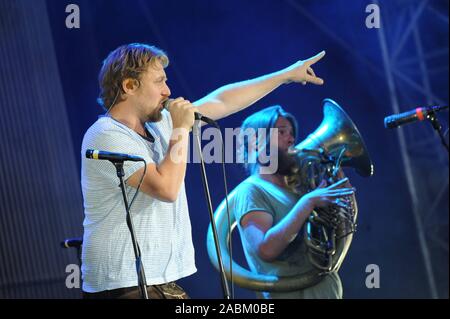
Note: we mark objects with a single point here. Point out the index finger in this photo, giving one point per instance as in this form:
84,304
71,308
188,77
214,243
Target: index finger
315,58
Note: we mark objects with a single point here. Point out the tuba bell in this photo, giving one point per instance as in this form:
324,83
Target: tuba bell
328,232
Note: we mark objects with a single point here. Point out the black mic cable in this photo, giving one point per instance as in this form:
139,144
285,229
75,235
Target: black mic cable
118,157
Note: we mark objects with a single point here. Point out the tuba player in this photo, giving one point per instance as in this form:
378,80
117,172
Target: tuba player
269,215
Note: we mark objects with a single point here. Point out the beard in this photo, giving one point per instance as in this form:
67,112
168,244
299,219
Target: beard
286,163
155,116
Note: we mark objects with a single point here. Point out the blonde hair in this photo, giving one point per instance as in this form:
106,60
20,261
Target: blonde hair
127,61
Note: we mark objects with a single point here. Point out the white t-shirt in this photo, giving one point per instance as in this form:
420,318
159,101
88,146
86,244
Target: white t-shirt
257,194
163,229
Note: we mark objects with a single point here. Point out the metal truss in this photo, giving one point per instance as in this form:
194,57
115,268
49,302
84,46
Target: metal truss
409,69
407,66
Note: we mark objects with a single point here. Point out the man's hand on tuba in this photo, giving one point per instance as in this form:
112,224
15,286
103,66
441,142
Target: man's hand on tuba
324,196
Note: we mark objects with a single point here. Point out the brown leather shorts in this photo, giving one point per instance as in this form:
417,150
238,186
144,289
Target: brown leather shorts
165,291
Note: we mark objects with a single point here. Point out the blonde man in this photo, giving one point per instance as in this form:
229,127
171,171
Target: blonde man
133,89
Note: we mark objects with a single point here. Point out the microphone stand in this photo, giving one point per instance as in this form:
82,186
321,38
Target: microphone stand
438,127
142,282
225,288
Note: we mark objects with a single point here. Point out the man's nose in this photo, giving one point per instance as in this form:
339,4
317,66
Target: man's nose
166,91
291,140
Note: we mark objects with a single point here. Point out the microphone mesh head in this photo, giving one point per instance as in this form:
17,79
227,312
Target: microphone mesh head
166,104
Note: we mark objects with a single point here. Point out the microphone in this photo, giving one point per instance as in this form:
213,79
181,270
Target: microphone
72,242
113,157
197,115
418,114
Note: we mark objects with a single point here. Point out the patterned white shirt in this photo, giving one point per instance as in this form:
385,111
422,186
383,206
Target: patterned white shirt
163,229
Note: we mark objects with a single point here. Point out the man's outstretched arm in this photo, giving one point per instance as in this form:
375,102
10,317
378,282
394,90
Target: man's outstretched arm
234,97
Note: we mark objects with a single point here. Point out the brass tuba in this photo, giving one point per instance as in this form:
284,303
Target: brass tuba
328,232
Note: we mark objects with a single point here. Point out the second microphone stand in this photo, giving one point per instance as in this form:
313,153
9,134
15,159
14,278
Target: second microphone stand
438,127
226,290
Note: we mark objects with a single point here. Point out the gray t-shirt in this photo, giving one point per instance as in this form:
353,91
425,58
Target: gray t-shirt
256,194
163,229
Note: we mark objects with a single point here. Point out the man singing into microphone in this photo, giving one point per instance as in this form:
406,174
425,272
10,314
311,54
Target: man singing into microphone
133,89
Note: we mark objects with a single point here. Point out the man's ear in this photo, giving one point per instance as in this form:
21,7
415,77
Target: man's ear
130,86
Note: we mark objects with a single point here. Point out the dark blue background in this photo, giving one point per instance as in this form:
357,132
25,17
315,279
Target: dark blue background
212,43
